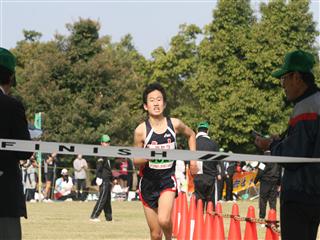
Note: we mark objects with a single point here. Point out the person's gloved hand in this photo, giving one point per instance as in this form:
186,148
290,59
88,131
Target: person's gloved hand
98,181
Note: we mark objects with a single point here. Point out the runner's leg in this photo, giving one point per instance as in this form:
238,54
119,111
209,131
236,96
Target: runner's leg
152,220
166,202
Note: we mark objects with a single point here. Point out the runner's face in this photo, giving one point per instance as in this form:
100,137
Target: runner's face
155,104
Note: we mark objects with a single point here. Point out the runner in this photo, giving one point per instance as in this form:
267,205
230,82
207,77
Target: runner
158,187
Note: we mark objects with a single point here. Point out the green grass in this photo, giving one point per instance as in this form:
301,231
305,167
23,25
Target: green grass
70,220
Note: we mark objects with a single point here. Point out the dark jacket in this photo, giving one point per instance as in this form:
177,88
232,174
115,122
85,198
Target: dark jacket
13,125
204,143
231,168
268,172
103,169
301,181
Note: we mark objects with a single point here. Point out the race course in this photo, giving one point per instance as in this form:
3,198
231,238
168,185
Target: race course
70,220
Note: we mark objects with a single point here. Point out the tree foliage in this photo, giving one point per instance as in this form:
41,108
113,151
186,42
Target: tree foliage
86,85
82,90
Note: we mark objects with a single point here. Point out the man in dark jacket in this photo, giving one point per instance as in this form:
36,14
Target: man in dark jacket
103,180
204,181
269,176
225,175
300,185
13,125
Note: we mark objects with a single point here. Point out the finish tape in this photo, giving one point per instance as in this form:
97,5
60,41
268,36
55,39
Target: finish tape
135,152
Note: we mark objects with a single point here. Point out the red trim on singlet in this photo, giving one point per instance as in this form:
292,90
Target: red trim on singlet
141,169
303,117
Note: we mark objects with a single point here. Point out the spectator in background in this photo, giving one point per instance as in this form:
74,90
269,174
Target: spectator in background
80,166
29,177
225,175
131,172
204,180
137,187
180,174
123,173
50,168
13,125
63,187
117,192
269,176
104,181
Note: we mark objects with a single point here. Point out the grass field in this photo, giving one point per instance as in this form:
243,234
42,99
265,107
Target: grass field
70,220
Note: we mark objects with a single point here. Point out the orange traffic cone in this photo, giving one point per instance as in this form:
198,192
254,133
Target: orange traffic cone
198,231
271,235
234,230
192,217
251,228
184,218
218,229
175,216
208,225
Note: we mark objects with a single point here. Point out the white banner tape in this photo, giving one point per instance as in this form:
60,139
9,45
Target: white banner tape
134,152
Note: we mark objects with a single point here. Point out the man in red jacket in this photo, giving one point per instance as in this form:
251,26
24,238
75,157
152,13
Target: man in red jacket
300,185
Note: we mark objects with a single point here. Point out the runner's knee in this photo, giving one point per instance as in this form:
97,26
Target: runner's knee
164,222
156,235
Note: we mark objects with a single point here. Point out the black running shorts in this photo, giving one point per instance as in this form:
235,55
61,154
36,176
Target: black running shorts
150,190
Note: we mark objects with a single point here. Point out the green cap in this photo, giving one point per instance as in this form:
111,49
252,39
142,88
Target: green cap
7,59
105,138
203,125
296,61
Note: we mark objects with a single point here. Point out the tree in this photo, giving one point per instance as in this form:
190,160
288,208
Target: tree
283,27
174,67
221,82
83,42
233,83
31,35
81,89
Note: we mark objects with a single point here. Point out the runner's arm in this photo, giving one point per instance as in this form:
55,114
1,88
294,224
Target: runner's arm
182,128
139,142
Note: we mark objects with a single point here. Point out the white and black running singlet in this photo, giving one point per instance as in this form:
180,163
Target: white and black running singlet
159,168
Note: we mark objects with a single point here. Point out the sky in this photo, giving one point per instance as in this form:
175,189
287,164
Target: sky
152,23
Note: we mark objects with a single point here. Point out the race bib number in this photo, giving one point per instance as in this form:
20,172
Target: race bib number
161,164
